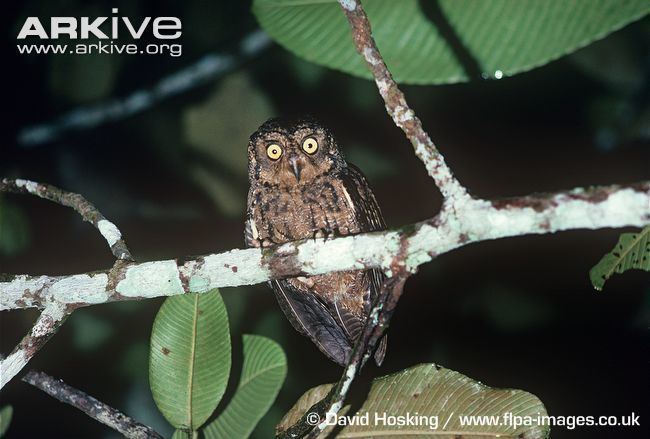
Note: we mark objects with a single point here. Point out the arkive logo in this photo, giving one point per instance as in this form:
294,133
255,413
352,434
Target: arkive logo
163,28
101,29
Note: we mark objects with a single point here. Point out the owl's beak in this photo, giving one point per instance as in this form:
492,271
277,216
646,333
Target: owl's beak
296,166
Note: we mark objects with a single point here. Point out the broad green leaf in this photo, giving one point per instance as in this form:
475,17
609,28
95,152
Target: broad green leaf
631,251
181,434
6,413
440,398
189,358
263,372
502,37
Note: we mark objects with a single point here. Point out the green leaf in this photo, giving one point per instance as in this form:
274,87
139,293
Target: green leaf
189,358
264,371
5,419
181,434
437,396
503,37
631,251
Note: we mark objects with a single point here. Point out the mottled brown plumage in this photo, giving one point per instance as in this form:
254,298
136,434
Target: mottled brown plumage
301,187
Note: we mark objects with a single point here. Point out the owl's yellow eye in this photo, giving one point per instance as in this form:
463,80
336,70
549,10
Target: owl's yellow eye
310,145
274,151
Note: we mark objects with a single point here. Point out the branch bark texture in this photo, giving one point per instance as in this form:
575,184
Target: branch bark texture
91,406
47,324
397,107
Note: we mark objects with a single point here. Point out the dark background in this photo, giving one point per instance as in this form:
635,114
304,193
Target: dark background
517,313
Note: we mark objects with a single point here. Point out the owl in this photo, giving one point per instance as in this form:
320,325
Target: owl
301,187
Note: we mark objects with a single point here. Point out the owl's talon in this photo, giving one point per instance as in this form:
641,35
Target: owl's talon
319,234
266,242
325,234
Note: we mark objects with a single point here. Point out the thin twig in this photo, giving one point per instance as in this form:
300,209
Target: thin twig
374,327
91,406
205,69
397,107
47,324
83,207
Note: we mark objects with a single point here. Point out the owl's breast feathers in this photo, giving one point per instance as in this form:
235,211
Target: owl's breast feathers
330,309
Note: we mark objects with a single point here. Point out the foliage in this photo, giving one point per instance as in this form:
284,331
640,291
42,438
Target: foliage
443,42
190,360
264,371
443,397
632,251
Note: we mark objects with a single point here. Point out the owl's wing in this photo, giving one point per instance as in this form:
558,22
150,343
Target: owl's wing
366,209
370,219
310,316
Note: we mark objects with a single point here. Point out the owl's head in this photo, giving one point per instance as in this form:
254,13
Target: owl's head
291,152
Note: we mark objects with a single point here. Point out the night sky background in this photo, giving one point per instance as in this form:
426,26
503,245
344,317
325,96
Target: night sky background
517,313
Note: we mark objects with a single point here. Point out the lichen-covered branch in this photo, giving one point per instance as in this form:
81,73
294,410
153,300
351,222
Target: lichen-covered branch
47,324
198,73
55,311
471,220
83,207
468,222
397,107
94,408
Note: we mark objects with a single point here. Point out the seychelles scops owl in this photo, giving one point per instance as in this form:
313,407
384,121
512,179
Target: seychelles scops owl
302,187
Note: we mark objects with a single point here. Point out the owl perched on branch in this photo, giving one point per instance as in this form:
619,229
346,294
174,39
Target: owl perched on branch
302,187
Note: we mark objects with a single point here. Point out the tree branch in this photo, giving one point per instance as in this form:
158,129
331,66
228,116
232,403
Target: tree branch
397,107
55,311
47,324
471,221
94,408
88,212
